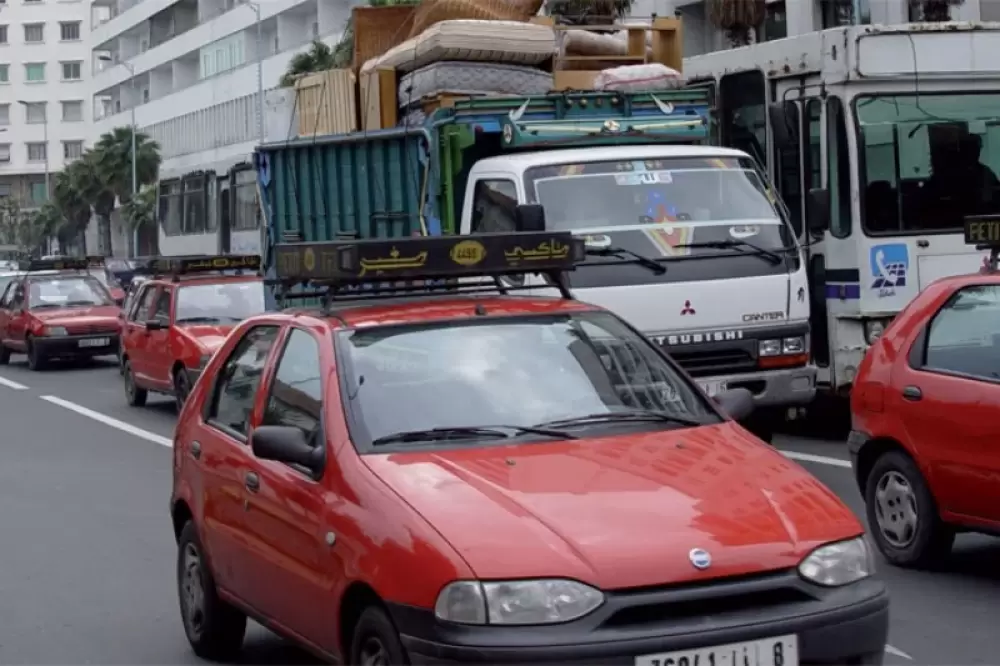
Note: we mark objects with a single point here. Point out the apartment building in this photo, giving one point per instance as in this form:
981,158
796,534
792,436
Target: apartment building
45,113
187,69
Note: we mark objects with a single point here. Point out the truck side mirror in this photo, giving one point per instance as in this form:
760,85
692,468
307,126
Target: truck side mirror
784,131
529,217
818,210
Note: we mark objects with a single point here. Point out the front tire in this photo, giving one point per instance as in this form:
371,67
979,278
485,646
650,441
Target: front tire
903,515
135,396
4,354
36,360
182,388
214,628
375,641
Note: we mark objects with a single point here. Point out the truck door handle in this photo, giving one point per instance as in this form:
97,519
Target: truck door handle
196,450
912,393
923,243
252,481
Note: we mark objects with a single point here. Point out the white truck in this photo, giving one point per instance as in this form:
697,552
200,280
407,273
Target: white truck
880,141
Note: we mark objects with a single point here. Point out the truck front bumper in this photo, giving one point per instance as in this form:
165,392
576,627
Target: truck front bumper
786,387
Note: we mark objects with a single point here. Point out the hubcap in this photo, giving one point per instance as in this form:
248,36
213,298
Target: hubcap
192,591
129,382
896,509
373,653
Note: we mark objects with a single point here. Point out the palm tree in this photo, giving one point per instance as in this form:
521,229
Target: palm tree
113,154
140,210
92,183
76,210
739,18
318,58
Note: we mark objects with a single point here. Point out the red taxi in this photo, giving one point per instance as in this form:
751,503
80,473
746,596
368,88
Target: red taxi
925,440
459,476
57,310
178,318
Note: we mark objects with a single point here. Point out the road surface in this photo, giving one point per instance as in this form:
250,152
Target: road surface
87,552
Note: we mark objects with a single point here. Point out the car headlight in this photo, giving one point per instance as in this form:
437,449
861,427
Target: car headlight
839,563
516,602
55,331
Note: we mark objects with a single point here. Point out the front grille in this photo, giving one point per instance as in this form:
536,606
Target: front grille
709,362
715,607
92,329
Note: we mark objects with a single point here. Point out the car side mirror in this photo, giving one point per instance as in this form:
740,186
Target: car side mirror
737,403
784,132
120,301
286,444
818,210
529,217
154,325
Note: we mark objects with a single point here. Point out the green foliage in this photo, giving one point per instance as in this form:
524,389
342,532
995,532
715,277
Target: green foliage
140,210
318,58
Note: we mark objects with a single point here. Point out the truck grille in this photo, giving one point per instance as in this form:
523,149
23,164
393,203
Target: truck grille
709,362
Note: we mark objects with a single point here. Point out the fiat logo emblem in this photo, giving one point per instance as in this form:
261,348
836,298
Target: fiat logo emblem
700,559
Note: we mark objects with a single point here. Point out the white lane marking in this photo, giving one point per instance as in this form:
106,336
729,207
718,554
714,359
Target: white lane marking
12,384
897,652
107,420
822,460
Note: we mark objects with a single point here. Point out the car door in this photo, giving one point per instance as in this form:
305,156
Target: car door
226,459
288,545
17,324
5,313
136,342
949,400
158,355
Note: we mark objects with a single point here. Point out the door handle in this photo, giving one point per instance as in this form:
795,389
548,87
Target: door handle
912,393
196,450
252,481
923,243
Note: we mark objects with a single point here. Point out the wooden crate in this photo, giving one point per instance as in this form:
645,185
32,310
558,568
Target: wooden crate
327,102
378,29
378,103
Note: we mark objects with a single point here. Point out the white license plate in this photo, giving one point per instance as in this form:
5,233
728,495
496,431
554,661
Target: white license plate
777,651
712,388
95,342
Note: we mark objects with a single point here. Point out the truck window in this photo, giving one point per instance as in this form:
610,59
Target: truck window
927,161
838,168
493,205
744,113
789,176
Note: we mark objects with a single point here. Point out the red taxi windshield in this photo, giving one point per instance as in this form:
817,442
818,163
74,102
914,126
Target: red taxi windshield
66,292
222,302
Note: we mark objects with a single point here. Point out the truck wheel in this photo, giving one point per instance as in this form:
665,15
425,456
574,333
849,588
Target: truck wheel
375,641
903,515
214,628
36,361
135,396
4,355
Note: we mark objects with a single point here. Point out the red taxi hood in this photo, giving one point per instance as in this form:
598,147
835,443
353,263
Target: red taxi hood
621,512
101,314
207,337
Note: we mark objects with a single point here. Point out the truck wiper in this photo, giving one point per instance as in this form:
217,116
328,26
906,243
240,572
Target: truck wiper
481,432
743,246
636,415
644,261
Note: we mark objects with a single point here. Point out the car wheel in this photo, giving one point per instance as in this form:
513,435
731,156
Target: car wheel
375,641
4,355
36,361
214,628
903,515
182,388
135,396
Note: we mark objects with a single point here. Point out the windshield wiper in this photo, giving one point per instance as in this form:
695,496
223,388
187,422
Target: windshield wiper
480,432
47,305
75,303
615,417
644,261
199,320
742,245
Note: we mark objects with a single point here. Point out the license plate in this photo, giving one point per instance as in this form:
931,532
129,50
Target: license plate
712,388
95,342
777,651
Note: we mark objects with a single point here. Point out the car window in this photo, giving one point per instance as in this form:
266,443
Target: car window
161,311
226,302
523,371
237,381
494,202
964,336
143,303
296,393
8,295
62,291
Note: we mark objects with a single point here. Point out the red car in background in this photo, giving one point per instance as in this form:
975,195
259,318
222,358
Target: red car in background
178,318
925,412
455,476
57,310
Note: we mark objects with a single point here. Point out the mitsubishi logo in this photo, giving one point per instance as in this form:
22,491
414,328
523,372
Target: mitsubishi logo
687,309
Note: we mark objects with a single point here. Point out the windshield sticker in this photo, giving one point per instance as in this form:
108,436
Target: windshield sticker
597,241
671,240
744,231
571,169
644,178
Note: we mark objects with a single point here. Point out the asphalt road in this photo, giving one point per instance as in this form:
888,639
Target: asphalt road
87,554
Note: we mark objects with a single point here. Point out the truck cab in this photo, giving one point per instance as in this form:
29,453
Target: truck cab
720,283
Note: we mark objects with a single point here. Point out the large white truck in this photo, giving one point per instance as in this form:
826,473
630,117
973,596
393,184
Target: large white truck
880,140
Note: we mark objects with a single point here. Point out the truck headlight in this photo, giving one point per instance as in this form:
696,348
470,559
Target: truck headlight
55,331
795,345
840,563
516,602
769,348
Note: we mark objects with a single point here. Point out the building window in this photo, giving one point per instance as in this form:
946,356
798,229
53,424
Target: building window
72,71
72,150
34,113
4,153
32,2
72,112
837,13
169,209
34,72
38,192
34,33
3,34
4,73
247,215
4,187
37,152
4,114
69,31
194,204
775,22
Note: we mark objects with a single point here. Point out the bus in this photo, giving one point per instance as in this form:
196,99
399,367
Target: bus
880,140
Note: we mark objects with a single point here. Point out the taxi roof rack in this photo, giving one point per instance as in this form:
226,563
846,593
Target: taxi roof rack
196,264
60,264
983,231
354,270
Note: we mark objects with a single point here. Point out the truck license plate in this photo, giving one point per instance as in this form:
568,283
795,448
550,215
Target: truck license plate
712,388
777,651
95,342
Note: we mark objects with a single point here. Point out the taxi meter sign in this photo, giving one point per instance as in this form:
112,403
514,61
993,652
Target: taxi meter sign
982,230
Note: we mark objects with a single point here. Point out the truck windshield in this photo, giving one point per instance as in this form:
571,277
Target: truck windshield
666,209
929,160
